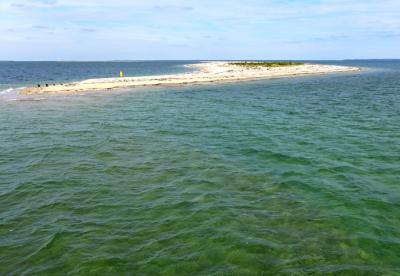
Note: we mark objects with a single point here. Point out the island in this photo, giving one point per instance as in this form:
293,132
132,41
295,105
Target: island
206,72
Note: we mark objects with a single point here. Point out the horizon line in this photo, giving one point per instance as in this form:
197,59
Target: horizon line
154,60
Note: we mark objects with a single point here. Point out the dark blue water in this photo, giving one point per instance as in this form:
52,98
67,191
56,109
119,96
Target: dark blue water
16,74
289,176
20,74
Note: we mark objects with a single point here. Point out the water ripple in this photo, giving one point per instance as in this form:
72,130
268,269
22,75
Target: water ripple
290,176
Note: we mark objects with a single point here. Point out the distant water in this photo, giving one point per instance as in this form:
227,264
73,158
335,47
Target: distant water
284,176
17,74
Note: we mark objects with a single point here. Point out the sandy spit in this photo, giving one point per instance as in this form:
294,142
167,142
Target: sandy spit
206,72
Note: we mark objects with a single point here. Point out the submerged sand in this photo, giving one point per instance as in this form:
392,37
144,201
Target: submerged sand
206,72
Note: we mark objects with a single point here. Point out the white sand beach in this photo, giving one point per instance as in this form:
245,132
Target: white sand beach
206,72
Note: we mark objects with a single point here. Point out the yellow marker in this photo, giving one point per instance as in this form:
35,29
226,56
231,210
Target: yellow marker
121,74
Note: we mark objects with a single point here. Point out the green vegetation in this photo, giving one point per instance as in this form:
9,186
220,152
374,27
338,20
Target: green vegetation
266,63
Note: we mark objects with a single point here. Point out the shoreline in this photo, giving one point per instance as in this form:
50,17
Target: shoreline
207,72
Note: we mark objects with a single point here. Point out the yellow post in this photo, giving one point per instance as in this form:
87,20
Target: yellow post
121,74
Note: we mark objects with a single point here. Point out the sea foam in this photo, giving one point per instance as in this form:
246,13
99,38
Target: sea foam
11,94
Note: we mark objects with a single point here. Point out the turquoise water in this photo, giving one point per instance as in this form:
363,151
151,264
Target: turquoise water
285,176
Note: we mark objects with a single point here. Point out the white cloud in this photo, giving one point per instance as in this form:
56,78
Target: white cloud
255,28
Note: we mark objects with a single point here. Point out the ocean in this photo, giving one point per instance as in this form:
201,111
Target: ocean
295,175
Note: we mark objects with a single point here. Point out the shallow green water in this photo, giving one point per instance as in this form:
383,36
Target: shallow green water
283,176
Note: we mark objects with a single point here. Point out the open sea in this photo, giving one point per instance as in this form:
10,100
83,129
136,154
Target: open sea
270,177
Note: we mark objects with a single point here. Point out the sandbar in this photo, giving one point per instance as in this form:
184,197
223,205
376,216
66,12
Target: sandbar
205,72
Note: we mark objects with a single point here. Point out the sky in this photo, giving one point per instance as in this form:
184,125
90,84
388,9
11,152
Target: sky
199,29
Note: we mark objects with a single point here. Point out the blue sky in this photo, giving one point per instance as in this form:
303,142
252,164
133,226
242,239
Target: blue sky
190,29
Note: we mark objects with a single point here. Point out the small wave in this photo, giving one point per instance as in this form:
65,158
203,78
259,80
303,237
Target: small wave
2,92
11,94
